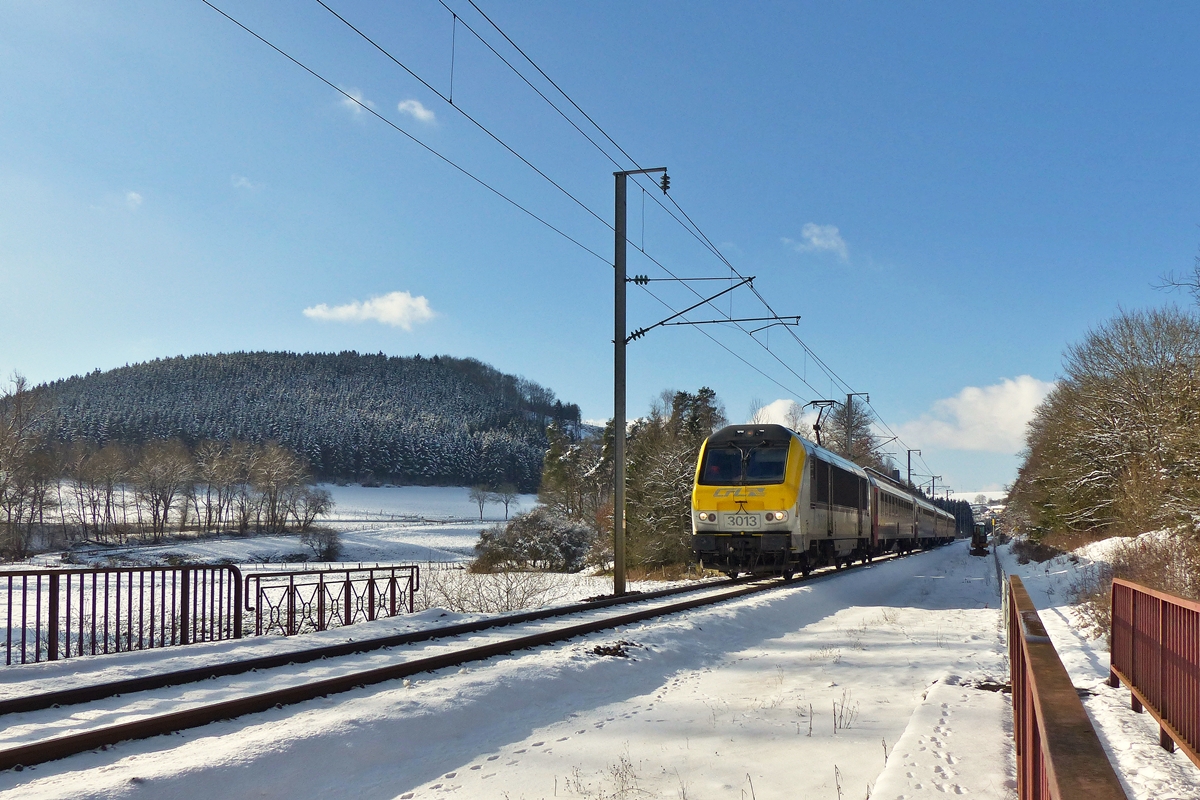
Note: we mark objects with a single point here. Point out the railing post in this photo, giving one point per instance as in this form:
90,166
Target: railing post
346,600
185,596
321,602
291,606
236,575
52,628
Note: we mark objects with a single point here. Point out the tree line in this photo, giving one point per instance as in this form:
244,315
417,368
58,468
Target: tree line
1115,447
53,492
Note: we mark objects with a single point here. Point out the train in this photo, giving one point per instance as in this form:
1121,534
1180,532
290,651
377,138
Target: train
766,501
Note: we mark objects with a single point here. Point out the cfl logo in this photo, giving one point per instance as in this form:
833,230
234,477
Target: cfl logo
740,492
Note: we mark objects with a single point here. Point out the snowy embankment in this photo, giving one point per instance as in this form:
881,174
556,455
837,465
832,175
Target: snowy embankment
799,693
1147,772
788,694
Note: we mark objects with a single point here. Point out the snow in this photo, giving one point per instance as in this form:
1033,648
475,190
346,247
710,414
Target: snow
422,502
958,742
738,697
793,693
387,524
1147,771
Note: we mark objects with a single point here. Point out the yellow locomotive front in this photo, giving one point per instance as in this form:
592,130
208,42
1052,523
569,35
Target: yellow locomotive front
745,499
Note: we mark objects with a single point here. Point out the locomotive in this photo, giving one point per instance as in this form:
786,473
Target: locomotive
767,501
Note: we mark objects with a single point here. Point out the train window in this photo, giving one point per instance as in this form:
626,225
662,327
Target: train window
722,465
820,478
848,489
766,465
731,464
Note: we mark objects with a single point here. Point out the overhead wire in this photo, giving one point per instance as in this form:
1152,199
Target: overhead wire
697,233
569,99
690,225
687,222
400,130
460,110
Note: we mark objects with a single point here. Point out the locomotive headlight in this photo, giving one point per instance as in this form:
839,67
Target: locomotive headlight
707,516
776,516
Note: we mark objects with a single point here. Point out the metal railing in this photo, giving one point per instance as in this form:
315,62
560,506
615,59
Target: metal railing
1059,756
1156,653
316,600
64,613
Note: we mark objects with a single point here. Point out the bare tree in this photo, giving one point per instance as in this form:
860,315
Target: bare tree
306,503
758,412
27,468
506,493
481,496
276,471
160,479
795,420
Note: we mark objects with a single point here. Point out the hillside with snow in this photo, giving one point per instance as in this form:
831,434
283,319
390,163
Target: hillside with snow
437,420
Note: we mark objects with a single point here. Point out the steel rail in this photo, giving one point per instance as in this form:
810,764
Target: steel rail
58,747
100,691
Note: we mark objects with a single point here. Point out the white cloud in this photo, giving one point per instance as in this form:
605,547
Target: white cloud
133,200
416,110
820,238
242,182
989,418
356,104
398,309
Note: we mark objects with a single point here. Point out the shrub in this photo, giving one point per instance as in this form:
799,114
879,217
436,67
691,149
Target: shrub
1167,562
1027,550
536,540
325,543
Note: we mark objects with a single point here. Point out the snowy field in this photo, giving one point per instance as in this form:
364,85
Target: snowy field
880,680
388,524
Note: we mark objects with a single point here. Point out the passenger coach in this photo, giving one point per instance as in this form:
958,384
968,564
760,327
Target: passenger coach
767,501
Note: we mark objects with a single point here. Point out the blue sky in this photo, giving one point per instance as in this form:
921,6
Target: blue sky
948,194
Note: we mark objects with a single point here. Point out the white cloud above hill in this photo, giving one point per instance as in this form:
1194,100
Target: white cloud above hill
398,309
988,418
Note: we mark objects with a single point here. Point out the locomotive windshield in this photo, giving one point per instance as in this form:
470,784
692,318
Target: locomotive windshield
731,463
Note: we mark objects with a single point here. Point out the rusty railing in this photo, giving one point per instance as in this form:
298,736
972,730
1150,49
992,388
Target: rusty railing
316,600
64,613
1156,653
1059,756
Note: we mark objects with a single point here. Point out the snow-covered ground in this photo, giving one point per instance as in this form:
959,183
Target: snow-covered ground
788,694
388,524
1147,772
878,680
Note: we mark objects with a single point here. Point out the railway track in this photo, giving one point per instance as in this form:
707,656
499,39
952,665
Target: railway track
47,726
